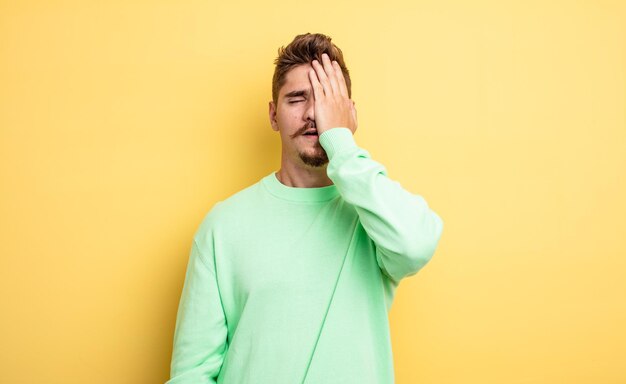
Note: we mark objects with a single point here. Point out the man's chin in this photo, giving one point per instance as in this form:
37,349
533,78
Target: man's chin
318,160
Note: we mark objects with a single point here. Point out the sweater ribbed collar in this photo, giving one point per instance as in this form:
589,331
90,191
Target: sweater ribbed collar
286,192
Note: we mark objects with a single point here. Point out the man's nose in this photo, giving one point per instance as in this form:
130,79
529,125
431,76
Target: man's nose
310,110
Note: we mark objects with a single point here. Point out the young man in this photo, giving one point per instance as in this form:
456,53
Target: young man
290,280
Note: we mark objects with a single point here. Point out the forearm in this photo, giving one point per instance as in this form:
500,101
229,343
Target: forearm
401,224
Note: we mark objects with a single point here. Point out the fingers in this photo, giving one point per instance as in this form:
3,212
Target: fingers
343,89
327,74
330,71
318,91
333,106
323,78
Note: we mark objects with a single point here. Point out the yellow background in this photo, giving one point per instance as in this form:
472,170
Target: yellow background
123,122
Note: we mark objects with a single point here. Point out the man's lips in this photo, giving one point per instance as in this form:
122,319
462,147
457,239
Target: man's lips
311,134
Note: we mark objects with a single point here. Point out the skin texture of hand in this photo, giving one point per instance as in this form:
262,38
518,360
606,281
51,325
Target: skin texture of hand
333,107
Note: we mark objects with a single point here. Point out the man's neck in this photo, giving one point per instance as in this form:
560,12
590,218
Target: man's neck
300,177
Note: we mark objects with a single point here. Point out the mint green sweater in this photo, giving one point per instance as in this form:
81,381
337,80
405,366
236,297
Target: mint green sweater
292,285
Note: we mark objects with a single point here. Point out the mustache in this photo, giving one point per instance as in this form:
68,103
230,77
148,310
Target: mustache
306,127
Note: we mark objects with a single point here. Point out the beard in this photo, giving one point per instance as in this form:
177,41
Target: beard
318,158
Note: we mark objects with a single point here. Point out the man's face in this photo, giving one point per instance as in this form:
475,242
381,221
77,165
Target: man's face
293,115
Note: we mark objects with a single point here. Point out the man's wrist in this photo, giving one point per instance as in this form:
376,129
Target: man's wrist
336,140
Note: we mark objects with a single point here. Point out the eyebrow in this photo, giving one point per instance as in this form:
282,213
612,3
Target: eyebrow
297,93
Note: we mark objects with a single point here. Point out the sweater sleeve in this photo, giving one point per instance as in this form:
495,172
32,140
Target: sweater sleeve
405,231
201,332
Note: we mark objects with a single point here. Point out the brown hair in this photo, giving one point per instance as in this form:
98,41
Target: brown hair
303,50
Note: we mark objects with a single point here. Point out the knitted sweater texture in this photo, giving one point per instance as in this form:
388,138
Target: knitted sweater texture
290,285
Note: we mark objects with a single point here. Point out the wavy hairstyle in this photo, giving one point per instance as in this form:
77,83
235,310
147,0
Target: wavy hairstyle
303,50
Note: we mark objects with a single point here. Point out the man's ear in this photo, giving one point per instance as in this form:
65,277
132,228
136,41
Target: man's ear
272,113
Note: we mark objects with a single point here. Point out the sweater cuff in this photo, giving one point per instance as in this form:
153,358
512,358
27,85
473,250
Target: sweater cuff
336,140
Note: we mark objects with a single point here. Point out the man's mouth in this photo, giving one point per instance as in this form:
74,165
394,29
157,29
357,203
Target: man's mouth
310,132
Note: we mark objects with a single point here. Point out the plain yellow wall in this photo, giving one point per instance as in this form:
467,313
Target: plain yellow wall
123,122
